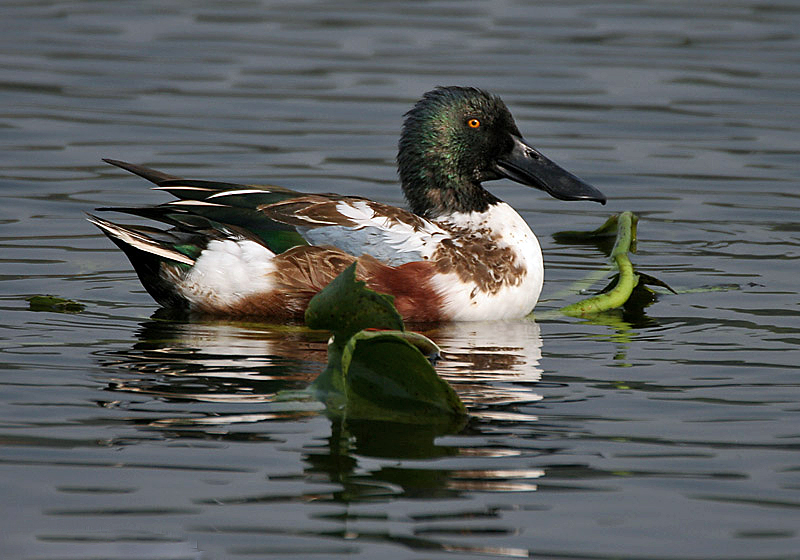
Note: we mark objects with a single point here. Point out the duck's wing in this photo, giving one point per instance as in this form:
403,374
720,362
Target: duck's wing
281,218
359,226
214,209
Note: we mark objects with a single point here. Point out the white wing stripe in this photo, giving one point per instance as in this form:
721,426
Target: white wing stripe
241,191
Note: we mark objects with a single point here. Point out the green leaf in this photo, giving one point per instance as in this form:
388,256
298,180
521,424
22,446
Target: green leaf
377,374
646,279
347,306
54,304
386,377
608,229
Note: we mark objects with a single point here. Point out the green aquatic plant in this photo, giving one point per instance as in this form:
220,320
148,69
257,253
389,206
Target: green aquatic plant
376,369
627,285
54,304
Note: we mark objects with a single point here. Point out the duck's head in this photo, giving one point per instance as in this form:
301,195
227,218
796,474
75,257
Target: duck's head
455,138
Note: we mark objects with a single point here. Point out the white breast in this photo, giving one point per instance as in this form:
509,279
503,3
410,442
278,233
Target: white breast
465,301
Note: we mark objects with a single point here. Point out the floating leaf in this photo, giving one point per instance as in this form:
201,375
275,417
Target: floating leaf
347,306
387,377
647,280
377,374
54,304
384,376
608,229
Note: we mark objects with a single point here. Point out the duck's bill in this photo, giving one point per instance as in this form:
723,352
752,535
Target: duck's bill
525,165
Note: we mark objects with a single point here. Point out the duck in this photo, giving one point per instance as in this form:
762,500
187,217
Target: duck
457,253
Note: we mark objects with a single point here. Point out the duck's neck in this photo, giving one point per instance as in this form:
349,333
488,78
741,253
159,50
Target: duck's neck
433,201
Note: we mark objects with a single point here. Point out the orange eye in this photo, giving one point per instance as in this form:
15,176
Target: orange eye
474,123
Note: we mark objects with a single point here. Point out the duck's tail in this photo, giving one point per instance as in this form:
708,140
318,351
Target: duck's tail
150,251
153,175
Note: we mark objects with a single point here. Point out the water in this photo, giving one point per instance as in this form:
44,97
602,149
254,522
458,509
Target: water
668,435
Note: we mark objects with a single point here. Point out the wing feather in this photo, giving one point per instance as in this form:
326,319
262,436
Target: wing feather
359,226
281,218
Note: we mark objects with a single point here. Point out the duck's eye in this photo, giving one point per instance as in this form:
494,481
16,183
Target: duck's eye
474,123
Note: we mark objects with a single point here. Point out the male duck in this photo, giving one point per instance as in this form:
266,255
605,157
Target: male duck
459,254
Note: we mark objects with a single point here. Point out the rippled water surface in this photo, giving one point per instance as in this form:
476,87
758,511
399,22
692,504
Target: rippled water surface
672,434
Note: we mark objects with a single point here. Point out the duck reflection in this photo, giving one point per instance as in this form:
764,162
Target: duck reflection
226,382
217,361
491,363
238,363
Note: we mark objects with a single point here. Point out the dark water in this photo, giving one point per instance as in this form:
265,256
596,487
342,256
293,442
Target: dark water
675,434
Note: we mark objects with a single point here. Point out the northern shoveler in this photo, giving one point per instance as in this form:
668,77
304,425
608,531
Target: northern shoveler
458,254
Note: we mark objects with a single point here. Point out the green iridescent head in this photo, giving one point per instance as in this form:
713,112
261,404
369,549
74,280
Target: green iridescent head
455,138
